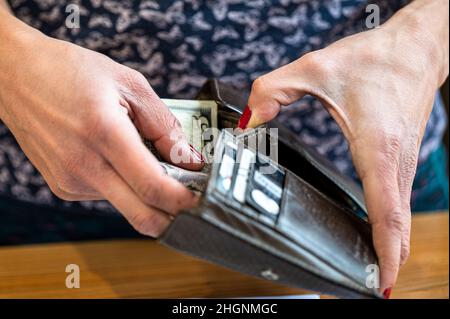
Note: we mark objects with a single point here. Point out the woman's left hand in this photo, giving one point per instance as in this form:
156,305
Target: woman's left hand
379,86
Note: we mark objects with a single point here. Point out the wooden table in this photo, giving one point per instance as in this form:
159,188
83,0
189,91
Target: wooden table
143,269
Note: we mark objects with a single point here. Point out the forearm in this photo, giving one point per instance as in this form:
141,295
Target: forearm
17,42
11,27
426,23
4,4
6,52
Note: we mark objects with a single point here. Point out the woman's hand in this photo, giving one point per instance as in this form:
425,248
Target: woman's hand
76,115
379,86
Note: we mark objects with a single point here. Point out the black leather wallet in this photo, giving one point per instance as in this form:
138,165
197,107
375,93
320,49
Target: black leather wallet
296,221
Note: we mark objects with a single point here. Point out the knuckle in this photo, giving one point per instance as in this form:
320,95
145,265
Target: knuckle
316,63
137,76
141,79
394,222
405,252
258,86
370,56
145,224
67,188
68,183
60,193
136,80
98,127
265,90
150,194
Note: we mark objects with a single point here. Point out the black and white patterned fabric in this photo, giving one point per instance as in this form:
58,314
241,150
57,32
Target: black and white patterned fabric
178,44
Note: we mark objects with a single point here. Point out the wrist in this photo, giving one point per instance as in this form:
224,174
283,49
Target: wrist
17,48
11,28
422,28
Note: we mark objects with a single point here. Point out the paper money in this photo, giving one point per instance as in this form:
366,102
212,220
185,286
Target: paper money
195,181
195,116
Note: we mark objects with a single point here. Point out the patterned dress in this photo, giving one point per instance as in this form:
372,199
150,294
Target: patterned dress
177,45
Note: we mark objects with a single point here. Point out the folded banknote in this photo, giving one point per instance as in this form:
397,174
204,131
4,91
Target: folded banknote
197,118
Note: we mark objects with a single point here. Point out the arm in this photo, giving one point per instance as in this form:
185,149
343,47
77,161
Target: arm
379,86
76,115
4,5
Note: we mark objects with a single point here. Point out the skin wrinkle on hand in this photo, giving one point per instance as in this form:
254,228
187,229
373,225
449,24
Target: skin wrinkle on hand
77,138
413,46
379,86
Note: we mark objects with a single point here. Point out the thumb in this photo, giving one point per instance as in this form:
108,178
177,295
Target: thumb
155,121
280,87
164,130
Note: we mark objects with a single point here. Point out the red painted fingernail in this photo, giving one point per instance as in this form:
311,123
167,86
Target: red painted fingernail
198,156
245,118
387,293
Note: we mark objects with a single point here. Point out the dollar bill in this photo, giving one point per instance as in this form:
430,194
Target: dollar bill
195,181
195,116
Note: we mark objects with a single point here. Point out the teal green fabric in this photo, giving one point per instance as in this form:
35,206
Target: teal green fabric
430,188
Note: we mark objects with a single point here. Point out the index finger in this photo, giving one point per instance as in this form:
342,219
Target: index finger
124,150
385,216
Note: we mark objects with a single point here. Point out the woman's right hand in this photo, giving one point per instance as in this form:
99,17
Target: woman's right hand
76,114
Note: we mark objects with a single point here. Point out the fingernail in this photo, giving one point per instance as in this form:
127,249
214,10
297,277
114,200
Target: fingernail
197,155
245,118
387,293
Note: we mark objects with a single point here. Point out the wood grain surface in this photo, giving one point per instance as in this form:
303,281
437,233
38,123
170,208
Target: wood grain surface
145,269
